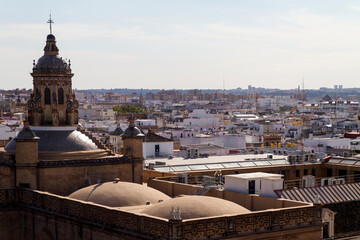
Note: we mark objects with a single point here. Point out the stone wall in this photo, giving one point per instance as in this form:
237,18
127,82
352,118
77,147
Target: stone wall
252,202
7,177
27,214
65,179
347,218
65,176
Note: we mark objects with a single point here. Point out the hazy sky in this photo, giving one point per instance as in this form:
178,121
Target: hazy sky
186,43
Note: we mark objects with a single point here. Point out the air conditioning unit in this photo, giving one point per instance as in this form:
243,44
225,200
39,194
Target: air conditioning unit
327,181
192,152
332,181
309,181
338,181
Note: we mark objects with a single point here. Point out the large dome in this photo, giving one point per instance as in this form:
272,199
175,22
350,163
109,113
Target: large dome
59,141
195,207
119,194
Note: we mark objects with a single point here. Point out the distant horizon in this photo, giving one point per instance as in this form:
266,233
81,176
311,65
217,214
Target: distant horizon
186,44
186,89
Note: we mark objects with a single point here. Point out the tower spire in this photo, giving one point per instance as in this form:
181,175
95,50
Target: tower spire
50,21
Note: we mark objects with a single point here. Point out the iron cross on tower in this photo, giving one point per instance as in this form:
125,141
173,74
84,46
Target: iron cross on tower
50,21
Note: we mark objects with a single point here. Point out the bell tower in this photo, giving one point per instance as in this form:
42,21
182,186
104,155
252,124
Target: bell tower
52,102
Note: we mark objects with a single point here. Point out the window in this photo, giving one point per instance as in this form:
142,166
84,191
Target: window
356,176
342,173
157,150
251,189
297,172
305,172
60,96
47,96
313,172
329,172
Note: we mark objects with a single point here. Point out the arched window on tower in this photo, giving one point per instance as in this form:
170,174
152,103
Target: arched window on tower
47,96
60,96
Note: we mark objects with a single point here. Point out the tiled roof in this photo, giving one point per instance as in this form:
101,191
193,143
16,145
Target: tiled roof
117,132
152,137
326,194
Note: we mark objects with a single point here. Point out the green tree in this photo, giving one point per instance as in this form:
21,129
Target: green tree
138,108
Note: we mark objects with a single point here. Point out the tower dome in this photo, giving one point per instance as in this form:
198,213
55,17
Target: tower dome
51,61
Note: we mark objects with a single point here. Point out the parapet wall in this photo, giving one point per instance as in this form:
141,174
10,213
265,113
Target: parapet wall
252,202
48,216
347,218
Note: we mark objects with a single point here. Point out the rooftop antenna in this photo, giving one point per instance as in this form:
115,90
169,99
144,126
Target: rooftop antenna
50,21
223,88
303,87
303,83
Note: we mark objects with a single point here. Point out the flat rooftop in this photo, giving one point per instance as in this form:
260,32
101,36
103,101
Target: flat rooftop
255,175
180,164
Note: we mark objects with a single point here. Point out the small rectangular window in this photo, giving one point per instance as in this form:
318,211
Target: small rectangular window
356,176
329,172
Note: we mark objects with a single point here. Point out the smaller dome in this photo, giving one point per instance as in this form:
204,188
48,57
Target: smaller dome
26,133
132,131
50,37
195,207
119,194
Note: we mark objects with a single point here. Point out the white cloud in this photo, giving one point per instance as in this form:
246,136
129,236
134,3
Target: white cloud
159,55
356,8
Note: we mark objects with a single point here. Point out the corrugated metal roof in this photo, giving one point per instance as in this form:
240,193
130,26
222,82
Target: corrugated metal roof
326,194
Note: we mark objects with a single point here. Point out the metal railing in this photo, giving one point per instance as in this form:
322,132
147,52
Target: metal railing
207,183
334,180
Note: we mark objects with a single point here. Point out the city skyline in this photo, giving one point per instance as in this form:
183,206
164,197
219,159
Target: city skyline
187,45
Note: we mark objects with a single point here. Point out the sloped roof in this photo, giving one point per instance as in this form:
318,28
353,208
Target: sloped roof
326,194
117,132
152,137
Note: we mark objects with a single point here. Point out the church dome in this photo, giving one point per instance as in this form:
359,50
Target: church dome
58,141
50,37
51,61
119,194
132,131
26,133
196,207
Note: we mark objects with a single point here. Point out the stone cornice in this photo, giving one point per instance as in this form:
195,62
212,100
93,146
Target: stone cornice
85,162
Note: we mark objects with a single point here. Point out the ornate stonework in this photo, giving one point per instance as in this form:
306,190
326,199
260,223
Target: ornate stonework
280,223
52,101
